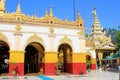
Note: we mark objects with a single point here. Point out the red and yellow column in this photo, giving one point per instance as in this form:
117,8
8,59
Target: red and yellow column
50,63
93,65
78,63
16,63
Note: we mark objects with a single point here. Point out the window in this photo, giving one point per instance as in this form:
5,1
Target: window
80,24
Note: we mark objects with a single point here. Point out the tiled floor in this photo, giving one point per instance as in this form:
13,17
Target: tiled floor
94,75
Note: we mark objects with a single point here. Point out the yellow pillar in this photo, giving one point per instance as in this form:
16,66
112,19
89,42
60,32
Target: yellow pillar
100,56
93,61
51,57
79,58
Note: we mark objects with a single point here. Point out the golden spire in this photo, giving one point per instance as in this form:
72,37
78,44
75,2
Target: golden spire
51,13
46,13
79,21
79,17
96,22
2,5
18,9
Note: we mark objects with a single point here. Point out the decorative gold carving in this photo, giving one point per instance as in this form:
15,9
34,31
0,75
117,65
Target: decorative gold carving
35,38
18,27
90,43
47,18
81,32
3,37
51,30
106,41
66,40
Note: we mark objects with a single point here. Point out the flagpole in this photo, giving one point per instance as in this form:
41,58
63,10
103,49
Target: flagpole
74,8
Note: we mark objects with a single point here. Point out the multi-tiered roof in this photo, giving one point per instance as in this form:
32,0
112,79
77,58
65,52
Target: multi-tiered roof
47,19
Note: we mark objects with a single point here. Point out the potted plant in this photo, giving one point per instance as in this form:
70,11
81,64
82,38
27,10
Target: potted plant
88,65
14,71
58,70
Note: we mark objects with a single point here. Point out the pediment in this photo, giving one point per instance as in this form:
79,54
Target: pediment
107,45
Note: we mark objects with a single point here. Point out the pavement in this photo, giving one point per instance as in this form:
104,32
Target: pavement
93,75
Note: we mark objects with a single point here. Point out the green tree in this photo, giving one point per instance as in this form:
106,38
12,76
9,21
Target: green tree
86,35
117,39
112,32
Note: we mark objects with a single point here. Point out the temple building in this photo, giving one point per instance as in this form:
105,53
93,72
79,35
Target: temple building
103,45
31,44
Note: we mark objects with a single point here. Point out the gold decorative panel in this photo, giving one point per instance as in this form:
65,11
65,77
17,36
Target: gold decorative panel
3,37
34,38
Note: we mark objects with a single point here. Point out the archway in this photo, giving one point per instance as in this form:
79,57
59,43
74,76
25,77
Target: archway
4,57
65,57
88,62
34,58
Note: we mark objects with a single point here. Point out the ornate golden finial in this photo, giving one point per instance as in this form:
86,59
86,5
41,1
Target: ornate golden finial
2,5
95,11
51,13
46,13
18,8
95,21
79,17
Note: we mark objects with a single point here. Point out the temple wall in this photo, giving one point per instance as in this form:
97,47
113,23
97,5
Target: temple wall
50,40
43,32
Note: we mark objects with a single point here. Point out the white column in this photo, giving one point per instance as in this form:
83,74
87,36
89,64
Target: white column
51,42
17,45
82,45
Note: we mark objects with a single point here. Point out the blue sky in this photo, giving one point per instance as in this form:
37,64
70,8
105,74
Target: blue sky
107,10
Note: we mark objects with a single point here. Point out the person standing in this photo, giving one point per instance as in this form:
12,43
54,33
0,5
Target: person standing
119,70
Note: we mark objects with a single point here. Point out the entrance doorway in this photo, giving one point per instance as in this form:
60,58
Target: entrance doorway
4,57
33,58
65,57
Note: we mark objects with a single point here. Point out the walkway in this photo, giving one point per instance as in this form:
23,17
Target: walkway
94,75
